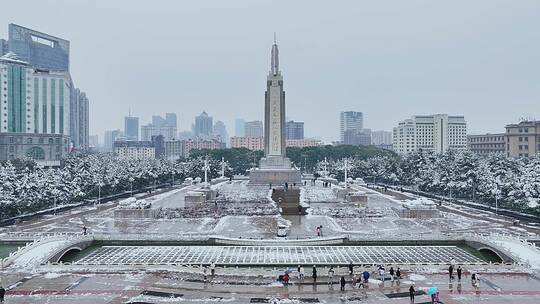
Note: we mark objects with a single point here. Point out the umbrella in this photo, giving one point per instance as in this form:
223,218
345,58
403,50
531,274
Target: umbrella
432,290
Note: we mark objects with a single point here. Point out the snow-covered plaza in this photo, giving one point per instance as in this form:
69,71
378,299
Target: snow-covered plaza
165,246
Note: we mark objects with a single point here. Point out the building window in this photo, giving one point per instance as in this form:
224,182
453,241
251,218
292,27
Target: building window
29,140
36,153
51,141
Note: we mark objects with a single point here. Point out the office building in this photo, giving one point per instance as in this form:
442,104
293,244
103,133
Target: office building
203,126
484,144
438,133
34,111
79,119
134,149
160,126
294,129
381,138
109,138
42,51
523,139
93,141
171,120
158,142
303,143
200,143
131,128
174,149
220,130
253,129
350,120
251,143
357,137
239,127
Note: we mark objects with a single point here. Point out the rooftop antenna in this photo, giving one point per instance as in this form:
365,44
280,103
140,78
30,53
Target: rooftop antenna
275,40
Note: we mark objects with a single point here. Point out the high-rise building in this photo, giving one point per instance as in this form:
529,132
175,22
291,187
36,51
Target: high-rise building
171,119
131,128
109,138
93,141
294,129
438,133
350,120
160,126
47,53
239,127
253,128
381,138
40,50
523,139
3,47
79,119
220,130
33,101
203,126
34,112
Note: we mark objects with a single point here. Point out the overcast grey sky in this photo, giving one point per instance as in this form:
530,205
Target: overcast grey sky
388,59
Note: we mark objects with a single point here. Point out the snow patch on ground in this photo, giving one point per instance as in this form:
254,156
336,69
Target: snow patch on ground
417,277
52,275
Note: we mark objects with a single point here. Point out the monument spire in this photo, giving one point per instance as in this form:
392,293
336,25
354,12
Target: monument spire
275,57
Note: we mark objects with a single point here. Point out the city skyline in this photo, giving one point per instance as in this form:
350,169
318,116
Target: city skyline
378,56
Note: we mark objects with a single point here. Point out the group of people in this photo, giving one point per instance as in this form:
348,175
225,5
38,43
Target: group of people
212,271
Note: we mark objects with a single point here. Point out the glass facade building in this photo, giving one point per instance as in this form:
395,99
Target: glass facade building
41,50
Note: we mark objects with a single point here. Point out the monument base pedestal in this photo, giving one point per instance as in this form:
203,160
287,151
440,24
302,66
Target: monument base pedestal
276,177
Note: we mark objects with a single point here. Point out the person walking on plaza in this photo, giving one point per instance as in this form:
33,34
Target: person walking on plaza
411,293
318,231
351,268
391,271
331,276
342,283
398,273
459,273
314,274
213,268
365,275
302,274
84,230
205,272
381,273
451,272
286,279
2,294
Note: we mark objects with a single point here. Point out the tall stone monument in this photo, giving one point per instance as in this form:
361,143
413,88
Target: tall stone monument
275,168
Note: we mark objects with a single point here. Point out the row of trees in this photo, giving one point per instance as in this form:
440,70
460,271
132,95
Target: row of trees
26,188
513,183
240,159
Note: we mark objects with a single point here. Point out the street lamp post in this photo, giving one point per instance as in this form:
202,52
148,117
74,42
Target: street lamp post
131,186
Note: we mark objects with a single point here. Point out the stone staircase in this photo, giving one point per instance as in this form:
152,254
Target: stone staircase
290,200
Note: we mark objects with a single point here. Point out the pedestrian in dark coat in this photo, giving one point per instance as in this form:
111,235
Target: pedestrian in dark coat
2,294
342,283
411,293
351,268
459,273
314,274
